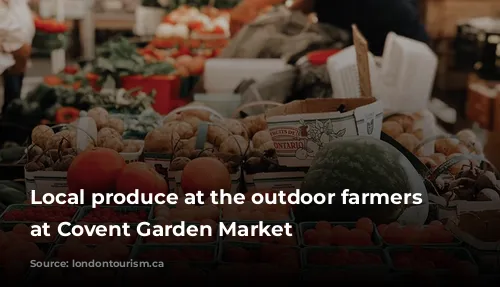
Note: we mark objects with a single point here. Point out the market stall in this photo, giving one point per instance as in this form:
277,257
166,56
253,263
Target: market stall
267,117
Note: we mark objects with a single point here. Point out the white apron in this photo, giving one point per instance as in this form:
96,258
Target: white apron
16,28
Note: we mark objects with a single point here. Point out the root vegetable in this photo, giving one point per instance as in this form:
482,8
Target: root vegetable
488,194
462,182
268,146
201,153
405,121
116,124
450,146
184,129
63,163
237,145
110,138
216,135
261,138
183,153
160,141
255,124
34,151
393,129
100,116
419,134
191,144
66,137
235,127
34,166
40,135
179,163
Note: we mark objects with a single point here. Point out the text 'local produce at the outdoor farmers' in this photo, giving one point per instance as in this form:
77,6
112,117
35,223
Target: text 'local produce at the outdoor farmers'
281,104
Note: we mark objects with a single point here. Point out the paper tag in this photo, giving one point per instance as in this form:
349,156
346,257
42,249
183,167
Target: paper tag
363,63
51,185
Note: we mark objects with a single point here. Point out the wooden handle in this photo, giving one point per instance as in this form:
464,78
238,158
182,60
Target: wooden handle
254,104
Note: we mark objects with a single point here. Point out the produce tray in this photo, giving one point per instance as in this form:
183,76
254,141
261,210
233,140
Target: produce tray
295,228
23,206
85,210
6,227
62,239
385,267
35,276
51,258
140,239
487,261
336,276
254,246
153,219
456,242
290,219
460,252
141,248
304,226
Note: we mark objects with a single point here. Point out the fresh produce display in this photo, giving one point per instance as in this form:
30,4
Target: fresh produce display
184,212
403,128
114,215
200,239
23,232
175,272
274,254
342,257
50,34
17,253
27,213
245,273
281,240
113,250
343,163
434,233
423,258
324,233
178,253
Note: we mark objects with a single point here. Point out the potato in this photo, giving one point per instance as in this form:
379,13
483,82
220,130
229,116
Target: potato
184,129
64,138
235,127
107,132
216,135
116,124
158,140
100,116
430,163
409,141
392,129
179,163
191,144
236,145
132,146
255,124
111,142
405,121
266,147
41,134
261,138
419,133
450,146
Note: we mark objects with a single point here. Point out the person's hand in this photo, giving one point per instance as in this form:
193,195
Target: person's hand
21,57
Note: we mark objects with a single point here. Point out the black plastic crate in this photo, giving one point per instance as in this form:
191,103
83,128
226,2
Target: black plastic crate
86,210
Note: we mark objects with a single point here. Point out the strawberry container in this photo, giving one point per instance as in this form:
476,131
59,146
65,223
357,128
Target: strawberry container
47,276
295,231
440,253
52,258
291,218
256,253
64,239
103,211
347,276
456,242
25,233
180,242
197,254
355,258
304,226
153,218
67,214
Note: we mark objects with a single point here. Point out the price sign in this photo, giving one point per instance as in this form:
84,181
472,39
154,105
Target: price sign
363,63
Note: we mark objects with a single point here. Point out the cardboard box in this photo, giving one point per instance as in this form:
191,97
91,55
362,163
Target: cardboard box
299,129
279,181
483,105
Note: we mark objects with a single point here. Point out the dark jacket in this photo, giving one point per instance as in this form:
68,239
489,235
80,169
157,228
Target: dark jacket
374,18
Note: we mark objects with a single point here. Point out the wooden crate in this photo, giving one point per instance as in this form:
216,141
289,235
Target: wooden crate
441,16
483,103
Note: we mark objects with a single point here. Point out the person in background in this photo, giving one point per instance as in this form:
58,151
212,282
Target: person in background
374,18
17,30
